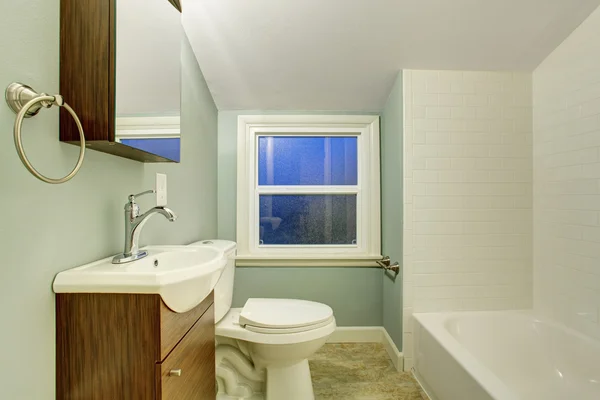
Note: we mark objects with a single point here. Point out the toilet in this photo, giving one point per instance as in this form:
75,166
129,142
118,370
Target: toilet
263,348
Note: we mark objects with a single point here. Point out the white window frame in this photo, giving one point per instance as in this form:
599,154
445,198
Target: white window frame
368,244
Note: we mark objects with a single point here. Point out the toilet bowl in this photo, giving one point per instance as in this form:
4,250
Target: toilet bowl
263,348
278,336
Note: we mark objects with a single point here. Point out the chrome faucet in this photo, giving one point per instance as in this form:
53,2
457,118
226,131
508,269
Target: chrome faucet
133,226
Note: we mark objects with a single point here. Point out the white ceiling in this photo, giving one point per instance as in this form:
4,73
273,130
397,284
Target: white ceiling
345,54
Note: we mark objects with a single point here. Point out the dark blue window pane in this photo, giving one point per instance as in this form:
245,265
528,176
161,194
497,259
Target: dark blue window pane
307,219
287,160
167,147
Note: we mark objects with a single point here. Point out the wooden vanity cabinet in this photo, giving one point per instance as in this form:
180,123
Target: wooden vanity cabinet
132,346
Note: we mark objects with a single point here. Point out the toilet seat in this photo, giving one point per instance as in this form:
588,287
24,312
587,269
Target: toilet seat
284,315
275,331
230,327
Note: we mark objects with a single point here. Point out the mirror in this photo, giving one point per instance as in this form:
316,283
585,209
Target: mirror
148,77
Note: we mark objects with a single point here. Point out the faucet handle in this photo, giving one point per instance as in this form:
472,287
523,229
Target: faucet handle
131,206
133,196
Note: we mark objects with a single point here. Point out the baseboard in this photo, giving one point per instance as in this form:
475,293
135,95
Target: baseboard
395,354
357,334
369,334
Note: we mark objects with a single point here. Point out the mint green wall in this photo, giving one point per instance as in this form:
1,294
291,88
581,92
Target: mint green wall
391,206
49,228
353,293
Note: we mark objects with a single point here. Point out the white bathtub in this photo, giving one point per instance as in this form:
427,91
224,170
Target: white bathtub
504,355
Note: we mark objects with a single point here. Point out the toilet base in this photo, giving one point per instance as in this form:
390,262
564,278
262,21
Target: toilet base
292,382
256,396
251,364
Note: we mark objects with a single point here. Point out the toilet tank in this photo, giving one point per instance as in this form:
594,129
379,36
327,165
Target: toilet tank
224,287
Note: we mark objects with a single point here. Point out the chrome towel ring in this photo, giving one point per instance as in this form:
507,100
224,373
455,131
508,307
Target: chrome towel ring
26,103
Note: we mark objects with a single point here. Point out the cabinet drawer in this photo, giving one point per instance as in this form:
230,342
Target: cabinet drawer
173,326
188,373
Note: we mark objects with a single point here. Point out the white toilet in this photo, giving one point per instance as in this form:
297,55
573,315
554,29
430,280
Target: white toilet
263,348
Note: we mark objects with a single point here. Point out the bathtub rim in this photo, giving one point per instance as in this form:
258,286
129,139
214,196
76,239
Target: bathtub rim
434,324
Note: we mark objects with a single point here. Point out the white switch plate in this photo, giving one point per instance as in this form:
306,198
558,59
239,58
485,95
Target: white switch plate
161,189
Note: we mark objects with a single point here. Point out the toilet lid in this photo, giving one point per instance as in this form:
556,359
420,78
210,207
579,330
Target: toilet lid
284,313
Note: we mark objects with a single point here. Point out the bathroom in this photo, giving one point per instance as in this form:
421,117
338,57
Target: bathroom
483,188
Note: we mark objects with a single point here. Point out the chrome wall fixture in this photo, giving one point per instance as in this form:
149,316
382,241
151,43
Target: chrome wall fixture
134,222
26,103
391,270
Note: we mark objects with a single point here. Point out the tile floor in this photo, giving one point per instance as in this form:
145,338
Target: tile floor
360,371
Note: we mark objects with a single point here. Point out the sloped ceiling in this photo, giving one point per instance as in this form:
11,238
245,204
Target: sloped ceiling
345,54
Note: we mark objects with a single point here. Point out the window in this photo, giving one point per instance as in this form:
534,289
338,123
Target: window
308,190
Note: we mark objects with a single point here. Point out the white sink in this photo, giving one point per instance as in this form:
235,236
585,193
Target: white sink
183,276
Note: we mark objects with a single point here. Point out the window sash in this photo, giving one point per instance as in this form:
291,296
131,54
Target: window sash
256,244
306,190
351,133
361,215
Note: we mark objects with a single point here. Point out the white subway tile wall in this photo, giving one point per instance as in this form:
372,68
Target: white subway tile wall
566,94
468,193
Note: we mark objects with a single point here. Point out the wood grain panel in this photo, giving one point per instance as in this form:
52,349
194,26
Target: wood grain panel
121,150
195,356
107,346
87,68
173,326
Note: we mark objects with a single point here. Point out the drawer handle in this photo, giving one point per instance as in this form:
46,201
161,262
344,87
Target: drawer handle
175,372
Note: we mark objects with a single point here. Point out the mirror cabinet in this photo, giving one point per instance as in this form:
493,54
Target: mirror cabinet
120,70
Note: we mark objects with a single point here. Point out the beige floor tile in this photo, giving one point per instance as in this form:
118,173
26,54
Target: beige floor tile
360,371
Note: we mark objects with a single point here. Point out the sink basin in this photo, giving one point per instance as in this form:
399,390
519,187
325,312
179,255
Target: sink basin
183,276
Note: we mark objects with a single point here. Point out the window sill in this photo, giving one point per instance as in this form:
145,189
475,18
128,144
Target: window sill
308,261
